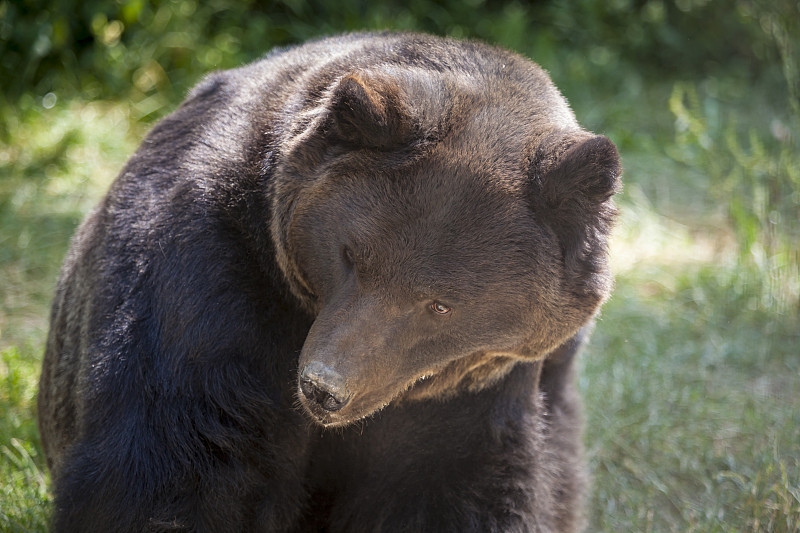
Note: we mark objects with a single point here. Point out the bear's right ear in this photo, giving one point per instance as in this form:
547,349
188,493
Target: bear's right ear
368,112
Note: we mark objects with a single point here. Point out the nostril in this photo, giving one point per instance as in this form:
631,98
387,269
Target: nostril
324,387
329,402
308,388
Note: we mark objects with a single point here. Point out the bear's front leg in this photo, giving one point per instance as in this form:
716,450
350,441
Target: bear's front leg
183,463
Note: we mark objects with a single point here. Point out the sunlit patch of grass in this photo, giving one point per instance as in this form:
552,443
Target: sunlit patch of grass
59,163
645,237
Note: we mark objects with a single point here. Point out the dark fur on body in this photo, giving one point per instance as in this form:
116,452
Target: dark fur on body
306,209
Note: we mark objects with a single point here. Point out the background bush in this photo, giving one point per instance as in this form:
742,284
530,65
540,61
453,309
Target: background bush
103,49
692,378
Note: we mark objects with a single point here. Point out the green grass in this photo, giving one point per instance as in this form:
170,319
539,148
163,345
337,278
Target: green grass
691,380
58,165
693,397
23,489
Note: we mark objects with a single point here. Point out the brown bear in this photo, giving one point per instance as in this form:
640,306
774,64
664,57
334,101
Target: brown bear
339,289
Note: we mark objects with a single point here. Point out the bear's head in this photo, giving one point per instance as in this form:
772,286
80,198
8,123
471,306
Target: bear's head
441,230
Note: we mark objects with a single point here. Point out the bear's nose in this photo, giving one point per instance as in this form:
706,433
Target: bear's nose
324,386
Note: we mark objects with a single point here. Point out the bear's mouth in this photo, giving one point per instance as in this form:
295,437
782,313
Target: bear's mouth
474,372
357,406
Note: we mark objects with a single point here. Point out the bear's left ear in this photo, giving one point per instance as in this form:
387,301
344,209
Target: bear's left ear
584,176
572,193
369,112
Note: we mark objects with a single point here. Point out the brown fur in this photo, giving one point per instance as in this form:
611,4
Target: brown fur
339,289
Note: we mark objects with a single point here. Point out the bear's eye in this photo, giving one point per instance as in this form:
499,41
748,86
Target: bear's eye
440,309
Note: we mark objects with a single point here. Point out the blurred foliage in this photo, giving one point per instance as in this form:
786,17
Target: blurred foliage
156,48
757,177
